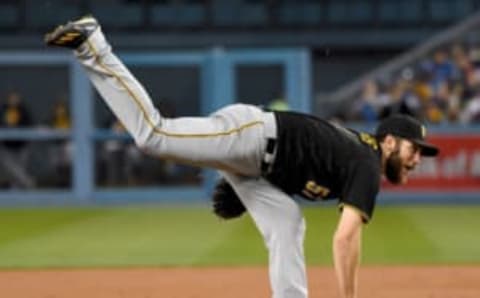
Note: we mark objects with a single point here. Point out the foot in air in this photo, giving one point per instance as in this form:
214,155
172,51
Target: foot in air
72,34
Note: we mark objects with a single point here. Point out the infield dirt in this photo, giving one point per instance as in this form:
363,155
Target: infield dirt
234,282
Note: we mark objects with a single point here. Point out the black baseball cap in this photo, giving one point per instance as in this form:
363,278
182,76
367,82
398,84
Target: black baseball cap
409,128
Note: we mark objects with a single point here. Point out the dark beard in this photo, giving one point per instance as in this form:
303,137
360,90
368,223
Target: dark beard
393,168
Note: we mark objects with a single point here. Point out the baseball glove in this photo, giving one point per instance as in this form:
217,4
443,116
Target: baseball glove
226,203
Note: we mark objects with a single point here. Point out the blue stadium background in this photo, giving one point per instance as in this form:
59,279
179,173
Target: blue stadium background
195,56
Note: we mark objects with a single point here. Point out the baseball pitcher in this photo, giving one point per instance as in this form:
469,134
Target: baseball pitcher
264,158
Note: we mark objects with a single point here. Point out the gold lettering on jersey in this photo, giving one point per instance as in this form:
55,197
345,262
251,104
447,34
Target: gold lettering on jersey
315,191
369,140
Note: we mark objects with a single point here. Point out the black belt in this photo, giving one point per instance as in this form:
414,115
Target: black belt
268,156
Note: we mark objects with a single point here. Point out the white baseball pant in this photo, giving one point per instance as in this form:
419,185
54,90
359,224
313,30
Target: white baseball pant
232,140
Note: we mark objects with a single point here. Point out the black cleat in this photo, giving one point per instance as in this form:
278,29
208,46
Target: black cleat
72,34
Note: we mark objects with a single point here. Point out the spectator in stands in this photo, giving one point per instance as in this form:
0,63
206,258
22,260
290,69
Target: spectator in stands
466,72
402,100
60,118
471,112
421,86
370,103
457,91
432,113
437,107
474,57
14,114
440,68
61,151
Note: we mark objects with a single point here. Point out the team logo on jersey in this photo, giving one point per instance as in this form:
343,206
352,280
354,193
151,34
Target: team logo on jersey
369,140
424,131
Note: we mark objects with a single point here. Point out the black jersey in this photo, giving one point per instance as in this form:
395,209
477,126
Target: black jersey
321,160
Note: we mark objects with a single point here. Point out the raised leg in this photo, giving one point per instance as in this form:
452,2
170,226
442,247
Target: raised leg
231,139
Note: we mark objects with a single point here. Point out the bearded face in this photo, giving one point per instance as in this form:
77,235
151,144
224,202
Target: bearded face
393,167
401,161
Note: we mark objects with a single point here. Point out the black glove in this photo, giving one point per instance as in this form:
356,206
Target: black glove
226,203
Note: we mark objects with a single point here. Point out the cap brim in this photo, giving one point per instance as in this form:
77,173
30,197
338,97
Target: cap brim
427,149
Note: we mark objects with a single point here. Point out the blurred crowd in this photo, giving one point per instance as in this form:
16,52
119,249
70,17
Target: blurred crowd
37,164
27,164
441,88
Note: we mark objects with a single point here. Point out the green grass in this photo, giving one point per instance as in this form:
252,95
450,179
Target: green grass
172,236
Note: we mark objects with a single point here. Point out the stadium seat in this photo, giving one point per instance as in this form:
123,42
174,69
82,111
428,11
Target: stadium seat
177,14
238,12
118,13
300,13
398,12
347,12
42,14
445,11
8,15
